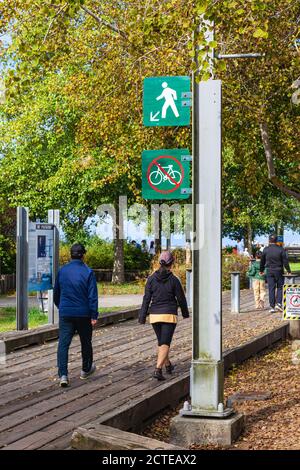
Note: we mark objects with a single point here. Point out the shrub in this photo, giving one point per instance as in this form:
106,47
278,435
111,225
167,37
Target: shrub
135,259
100,255
234,263
228,250
64,253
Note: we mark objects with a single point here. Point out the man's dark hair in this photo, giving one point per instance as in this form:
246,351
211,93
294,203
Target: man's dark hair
77,251
273,238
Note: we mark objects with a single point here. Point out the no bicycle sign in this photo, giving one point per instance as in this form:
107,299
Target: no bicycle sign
291,302
166,174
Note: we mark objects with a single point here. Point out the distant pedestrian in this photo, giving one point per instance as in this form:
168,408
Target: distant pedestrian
258,282
163,293
275,259
262,248
144,246
246,253
257,247
240,246
76,296
152,248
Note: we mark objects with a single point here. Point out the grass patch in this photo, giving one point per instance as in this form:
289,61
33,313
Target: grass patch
107,288
37,318
295,266
8,318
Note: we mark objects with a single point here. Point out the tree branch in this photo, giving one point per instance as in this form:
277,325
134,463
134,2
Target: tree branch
52,21
104,23
270,163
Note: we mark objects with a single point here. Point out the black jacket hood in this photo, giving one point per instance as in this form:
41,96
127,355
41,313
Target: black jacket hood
162,276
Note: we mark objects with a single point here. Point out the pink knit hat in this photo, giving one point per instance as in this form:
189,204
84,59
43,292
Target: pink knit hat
166,257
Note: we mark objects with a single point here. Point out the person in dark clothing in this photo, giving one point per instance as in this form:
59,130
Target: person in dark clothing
76,296
163,293
274,258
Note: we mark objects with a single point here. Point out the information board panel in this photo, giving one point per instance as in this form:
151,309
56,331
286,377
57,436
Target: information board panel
40,247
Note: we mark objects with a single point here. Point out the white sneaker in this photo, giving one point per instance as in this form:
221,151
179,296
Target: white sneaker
272,310
279,307
64,381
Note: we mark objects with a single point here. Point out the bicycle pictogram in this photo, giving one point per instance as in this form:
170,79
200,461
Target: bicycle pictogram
158,176
165,176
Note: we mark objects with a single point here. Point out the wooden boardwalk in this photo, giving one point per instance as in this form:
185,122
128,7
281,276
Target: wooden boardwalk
36,414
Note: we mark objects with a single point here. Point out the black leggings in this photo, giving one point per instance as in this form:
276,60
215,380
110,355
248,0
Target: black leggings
164,332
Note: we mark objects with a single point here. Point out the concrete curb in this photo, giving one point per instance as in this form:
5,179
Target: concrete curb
140,412
13,340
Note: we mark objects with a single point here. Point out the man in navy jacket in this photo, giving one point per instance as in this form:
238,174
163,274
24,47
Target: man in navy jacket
76,296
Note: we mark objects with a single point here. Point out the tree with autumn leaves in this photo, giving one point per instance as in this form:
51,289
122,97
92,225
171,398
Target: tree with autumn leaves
71,128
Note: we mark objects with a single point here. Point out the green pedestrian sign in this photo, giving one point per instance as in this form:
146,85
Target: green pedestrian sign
166,174
167,101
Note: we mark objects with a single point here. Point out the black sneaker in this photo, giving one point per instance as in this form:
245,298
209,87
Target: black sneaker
170,368
157,374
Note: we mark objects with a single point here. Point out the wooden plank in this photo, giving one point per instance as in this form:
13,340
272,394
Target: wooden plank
145,339
16,340
43,416
83,407
38,363
113,415
128,359
21,339
100,437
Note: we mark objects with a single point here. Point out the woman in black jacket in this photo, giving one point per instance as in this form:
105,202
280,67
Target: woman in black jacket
164,291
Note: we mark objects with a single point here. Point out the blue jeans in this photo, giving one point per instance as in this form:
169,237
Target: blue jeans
67,328
275,280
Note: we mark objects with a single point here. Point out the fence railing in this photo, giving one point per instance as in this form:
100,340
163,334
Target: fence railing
7,283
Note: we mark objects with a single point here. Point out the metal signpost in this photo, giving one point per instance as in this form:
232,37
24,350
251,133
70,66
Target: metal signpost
37,262
53,217
207,376
167,101
166,174
22,268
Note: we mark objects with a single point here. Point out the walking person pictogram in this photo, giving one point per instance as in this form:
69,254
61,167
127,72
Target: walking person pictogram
170,97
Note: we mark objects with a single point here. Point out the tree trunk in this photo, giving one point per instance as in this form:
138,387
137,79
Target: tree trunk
158,240
248,238
118,274
271,167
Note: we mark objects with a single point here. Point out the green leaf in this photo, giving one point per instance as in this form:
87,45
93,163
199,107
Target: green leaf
259,33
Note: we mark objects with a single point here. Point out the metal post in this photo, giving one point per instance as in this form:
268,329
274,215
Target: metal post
235,292
207,368
189,287
290,279
22,268
168,243
53,218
